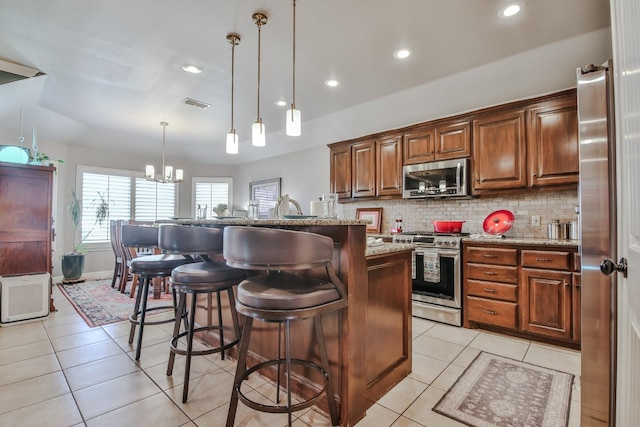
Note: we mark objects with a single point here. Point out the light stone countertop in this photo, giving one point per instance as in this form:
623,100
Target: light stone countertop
387,248
274,221
520,241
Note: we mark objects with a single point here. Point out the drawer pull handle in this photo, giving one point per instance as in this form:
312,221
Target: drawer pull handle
544,259
491,312
490,256
490,273
491,291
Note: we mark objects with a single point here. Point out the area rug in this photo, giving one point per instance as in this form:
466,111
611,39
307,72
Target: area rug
496,391
100,304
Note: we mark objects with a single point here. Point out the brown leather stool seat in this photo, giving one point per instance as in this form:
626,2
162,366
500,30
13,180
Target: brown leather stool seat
282,295
147,267
206,277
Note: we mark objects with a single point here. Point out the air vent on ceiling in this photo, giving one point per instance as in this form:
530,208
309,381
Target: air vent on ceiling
11,72
196,103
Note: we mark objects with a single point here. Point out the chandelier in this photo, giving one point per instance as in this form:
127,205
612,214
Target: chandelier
167,171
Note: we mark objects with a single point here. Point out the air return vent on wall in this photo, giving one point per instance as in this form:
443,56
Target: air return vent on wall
11,72
196,103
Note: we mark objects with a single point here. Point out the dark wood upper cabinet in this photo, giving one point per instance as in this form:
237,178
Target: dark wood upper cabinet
419,146
499,151
363,172
453,140
25,218
553,143
389,166
340,170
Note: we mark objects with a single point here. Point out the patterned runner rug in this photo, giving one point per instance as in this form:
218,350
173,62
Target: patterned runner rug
100,304
495,391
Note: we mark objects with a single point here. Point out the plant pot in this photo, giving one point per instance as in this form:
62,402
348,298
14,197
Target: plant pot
72,266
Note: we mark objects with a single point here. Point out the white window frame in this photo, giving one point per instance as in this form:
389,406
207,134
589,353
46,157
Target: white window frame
210,180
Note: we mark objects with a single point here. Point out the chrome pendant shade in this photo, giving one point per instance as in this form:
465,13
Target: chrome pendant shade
232,136
258,136
167,171
293,123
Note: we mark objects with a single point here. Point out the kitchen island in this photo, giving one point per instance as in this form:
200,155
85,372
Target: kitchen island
369,345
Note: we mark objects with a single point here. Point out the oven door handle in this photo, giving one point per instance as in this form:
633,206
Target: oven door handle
450,254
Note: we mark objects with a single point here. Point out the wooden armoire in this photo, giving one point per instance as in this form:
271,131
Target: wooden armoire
25,218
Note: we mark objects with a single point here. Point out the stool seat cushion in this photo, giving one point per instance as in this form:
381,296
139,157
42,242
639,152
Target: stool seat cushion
156,263
285,291
205,272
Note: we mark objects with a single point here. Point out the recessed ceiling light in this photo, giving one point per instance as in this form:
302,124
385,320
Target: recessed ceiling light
402,53
281,103
331,83
194,69
509,10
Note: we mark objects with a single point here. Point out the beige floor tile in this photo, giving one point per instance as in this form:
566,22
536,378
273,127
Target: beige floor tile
88,353
426,369
206,393
113,394
560,359
116,330
245,416
26,333
58,411
62,319
152,355
102,370
448,377
70,329
418,325
78,340
34,390
199,366
452,334
421,410
29,368
152,335
514,348
156,410
406,422
438,349
402,395
467,356
378,416
26,351
313,418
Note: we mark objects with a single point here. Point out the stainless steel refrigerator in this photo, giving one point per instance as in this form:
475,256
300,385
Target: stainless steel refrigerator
597,193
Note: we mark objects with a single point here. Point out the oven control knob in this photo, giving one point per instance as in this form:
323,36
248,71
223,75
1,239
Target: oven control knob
438,242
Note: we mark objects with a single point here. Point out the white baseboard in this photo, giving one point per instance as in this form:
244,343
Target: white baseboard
94,275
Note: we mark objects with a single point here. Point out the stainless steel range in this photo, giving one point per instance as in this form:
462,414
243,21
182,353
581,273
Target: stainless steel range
436,277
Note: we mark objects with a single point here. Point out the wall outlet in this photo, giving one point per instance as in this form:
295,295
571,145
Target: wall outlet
535,220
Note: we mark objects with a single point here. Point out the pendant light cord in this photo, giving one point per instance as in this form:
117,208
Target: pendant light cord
293,104
233,61
164,130
259,24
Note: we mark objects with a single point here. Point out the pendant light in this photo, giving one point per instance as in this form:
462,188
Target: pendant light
232,136
258,137
293,121
167,171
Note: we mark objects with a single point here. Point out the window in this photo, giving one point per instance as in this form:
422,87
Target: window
209,194
128,196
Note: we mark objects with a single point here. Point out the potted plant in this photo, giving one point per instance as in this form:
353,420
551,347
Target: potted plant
73,262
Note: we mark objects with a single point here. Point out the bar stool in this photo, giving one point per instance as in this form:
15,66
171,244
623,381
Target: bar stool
205,277
282,296
147,267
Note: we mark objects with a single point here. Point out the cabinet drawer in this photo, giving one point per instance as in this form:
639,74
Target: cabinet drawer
493,273
498,256
552,260
498,313
498,291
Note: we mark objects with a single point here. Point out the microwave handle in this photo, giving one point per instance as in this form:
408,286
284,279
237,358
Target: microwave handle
458,170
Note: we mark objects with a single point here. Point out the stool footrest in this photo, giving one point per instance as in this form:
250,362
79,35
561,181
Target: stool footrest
133,319
282,409
173,344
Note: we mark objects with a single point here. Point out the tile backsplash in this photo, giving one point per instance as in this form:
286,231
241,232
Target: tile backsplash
418,214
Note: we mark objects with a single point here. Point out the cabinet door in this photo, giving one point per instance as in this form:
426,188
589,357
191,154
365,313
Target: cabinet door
453,141
575,300
419,147
340,170
499,152
546,303
553,143
389,166
363,169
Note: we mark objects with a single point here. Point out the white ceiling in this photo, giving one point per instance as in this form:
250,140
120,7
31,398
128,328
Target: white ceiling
114,68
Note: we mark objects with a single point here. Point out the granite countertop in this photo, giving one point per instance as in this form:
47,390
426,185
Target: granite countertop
275,221
387,248
520,241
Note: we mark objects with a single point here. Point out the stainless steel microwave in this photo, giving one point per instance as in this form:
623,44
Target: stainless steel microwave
444,179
